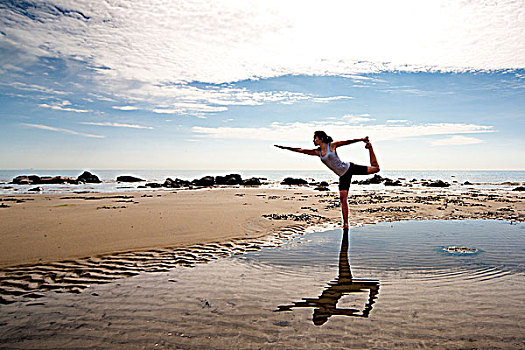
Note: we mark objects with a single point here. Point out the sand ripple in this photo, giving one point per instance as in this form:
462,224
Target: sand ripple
25,282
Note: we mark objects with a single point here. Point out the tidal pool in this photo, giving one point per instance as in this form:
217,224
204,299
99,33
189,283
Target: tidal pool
379,286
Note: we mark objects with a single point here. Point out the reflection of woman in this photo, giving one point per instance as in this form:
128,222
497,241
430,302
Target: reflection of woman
326,304
326,150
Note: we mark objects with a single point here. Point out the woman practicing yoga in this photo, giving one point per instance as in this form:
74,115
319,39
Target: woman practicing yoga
326,150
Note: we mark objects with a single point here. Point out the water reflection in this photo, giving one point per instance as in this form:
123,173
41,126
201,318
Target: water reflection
325,305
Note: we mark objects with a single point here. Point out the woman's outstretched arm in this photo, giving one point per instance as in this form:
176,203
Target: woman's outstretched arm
312,152
348,142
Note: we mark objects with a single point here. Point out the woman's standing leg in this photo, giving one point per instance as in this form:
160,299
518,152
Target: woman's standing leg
343,197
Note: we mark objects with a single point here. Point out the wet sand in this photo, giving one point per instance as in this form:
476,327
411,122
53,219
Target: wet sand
47,228
234,304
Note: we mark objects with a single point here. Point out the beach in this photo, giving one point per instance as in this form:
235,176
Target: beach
53,227
175,269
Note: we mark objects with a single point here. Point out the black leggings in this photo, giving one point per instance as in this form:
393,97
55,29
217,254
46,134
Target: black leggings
344,181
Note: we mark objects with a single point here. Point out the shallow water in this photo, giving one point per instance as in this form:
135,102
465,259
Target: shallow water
385,286
410,247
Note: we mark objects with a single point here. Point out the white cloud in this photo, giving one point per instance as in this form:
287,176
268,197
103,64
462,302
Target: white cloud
125,108
36,88
397,121
218,42
332,98
119,125
301,132
349,118
101,98
61,106
185,99
457,140
64,131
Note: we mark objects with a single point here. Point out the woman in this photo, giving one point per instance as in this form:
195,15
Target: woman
326,150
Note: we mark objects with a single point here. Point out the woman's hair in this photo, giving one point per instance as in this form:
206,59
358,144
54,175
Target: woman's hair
323,137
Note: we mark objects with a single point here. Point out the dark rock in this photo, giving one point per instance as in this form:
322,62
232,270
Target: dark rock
376,179
177,183
253,181
168,183
87,177
437,183
322,186
36,189
389,182
466,183
519,188
205,181
26,180
127,178
293,181
231,179
57,180
153,185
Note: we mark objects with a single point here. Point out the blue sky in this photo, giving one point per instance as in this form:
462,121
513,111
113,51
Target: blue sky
196,85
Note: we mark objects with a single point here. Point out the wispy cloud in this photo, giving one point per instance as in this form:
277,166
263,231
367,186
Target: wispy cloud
64,131
101,97
457,140
118,125
331,98
36,88
397,121
186,108
299,132
125,108
62,106
350,118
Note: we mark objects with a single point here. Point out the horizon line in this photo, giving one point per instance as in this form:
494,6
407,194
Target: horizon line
279,169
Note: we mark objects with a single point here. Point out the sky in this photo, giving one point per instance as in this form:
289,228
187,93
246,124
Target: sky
209,85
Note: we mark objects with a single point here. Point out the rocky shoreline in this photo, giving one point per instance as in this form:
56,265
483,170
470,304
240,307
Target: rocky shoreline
234,180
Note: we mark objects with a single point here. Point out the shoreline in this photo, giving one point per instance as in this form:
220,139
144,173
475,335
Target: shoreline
44,228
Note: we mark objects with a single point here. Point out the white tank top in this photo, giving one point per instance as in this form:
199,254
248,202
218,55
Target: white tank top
332,161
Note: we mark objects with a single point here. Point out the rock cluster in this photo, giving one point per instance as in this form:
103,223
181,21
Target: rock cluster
322,186
437,183
177,183
207,181
290,181
227,180
231,179
376,179
128,178
85,177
